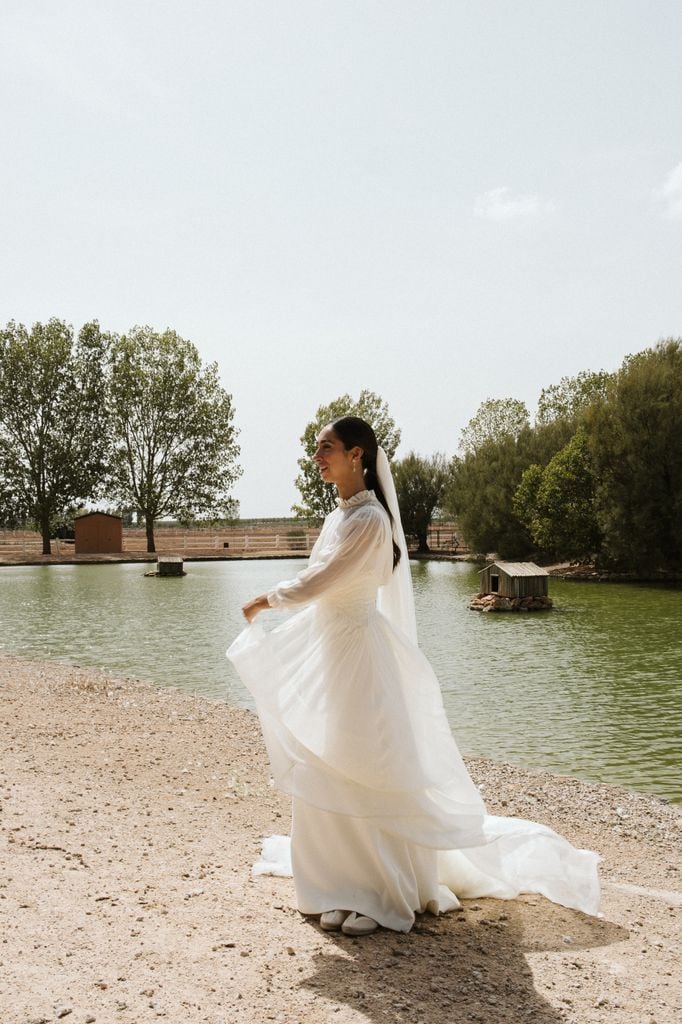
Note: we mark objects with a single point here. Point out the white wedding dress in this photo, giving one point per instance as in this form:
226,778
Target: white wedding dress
386,819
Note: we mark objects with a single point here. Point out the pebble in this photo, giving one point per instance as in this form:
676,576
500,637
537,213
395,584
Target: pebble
63,1011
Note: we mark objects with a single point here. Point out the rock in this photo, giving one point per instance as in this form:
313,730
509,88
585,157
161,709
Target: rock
497,603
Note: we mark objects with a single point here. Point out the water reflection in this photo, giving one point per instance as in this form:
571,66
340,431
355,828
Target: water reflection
592,689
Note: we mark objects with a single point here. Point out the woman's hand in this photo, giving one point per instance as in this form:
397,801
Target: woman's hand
251,608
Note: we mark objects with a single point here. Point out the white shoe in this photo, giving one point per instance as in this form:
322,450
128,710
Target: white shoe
358,924
332,920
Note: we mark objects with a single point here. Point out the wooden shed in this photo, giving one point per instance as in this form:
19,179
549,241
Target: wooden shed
98,533
514,579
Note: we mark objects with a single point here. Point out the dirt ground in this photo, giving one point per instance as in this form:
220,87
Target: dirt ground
131,816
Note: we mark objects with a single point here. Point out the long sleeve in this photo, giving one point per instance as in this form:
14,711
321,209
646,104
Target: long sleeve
356,545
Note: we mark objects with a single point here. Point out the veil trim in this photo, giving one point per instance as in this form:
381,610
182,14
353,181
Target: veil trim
395,600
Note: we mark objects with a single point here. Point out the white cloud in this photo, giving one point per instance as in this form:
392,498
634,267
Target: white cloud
502,204
670,192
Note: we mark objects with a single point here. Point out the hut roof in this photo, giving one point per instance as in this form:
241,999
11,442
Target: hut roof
518,568
86,515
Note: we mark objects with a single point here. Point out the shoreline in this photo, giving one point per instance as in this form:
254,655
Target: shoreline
128,559
590,574
132,814
566,572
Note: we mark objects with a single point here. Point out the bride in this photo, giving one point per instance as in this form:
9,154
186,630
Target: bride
386,820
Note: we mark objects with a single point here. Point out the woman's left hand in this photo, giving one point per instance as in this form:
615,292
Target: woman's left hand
252,608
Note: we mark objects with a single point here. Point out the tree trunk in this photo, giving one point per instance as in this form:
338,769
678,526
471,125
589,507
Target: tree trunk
422,544
45,531
149,524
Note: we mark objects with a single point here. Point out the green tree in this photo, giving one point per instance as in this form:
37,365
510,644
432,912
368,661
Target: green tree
479,495
557,503
572,396
496,418
53,428
525,500
317,497
636,442
174,447
420,485
483,480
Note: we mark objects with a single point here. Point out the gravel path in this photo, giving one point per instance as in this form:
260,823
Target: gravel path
131,816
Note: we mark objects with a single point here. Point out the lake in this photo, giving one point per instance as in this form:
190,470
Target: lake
592,689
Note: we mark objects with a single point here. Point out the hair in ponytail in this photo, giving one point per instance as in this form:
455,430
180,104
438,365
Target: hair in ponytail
353,432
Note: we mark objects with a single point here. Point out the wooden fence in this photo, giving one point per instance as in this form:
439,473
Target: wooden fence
20,545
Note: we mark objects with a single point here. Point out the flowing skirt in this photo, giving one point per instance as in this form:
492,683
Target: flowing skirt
386,818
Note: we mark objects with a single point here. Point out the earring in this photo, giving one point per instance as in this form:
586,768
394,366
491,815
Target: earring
355,464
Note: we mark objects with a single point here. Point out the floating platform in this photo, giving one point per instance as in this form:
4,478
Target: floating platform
497,603
168,565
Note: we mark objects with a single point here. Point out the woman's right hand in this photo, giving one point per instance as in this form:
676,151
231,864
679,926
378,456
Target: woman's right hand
252,608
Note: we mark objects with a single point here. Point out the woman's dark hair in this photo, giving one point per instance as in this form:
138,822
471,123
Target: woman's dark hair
354,431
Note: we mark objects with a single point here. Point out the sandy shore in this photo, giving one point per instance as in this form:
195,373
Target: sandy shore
131,816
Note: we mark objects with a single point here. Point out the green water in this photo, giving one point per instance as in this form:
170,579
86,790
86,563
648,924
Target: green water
592,689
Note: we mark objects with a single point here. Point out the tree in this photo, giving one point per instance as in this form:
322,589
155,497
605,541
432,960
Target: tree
479,495
557,503
572,396
495,419
174,440
420,484
53,430
317,497
525,500
636,443
483,480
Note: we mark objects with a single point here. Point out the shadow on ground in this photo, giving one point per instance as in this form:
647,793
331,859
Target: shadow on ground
467,966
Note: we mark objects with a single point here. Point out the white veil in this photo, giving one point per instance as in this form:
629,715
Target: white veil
396,599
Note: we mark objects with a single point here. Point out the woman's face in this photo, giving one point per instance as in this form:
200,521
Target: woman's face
335,462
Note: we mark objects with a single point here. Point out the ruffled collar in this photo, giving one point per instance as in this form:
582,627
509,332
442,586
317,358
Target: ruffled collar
358,498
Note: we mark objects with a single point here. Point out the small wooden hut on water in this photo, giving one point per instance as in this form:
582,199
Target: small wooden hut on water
512,587
514,579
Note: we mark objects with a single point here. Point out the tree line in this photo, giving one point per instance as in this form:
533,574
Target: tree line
135,419
597,476
138,421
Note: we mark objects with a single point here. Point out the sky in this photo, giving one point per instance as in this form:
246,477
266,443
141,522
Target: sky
442,202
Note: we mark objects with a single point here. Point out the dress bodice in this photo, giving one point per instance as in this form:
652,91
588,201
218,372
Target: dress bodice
351,559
